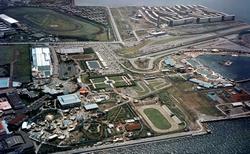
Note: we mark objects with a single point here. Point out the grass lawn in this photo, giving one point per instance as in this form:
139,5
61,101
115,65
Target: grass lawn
101,86
115,78
120,84
157,118
56,23
22,65
98,80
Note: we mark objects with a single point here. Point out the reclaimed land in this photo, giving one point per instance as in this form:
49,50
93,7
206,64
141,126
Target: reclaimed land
59,24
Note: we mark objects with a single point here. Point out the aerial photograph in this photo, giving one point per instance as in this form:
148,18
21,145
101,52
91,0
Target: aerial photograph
124,77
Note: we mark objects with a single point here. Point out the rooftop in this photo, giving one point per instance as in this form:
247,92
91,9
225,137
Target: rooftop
68,99
41,56
8,19
4,104
71,50
4,82
91,106
170,61
42,61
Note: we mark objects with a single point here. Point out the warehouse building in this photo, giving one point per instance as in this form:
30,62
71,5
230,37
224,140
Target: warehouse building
4,83
89,107
69,101
41,63
71,50
8,20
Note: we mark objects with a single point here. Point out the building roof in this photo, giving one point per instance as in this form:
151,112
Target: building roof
14,140
42,61
4,104
8,19
133,126
202,83
2,129
41,56
71,50
91,106
4,82
68,99
170,61
237,104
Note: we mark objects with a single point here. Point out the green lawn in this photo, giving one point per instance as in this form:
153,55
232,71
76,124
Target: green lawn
98,80
58,23
116,78
101,86
22,65
157,118
120,84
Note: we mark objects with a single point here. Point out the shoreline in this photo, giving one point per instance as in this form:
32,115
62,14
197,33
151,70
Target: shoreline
203,131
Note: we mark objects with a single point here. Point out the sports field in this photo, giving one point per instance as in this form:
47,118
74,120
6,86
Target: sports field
157,118
59,24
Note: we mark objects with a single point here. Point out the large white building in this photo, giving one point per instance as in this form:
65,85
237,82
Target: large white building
41,62
8,19
69,101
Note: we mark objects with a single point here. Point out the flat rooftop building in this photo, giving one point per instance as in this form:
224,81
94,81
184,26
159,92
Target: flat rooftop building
8,19
16,142
71,50
69,101
91,107
41,67
4,82
4,104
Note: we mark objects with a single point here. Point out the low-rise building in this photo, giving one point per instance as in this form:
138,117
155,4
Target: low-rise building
69,101
89,107
8,20
16,142
41,63
4,83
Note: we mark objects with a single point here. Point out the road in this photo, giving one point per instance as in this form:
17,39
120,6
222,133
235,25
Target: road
199,40
114,26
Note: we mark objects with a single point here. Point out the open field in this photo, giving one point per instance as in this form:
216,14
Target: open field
19,55
157,118
58,24
192,101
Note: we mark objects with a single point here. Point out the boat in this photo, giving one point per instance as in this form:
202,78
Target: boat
228,63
